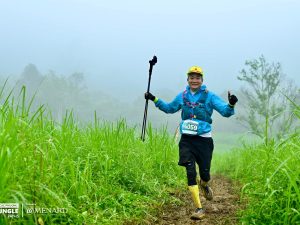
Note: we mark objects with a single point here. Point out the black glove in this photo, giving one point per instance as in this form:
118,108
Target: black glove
232,99
150,96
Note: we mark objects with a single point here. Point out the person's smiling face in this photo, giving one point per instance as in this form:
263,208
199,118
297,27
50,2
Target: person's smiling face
195,81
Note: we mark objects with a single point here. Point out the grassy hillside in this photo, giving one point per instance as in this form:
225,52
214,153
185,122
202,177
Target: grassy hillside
270,179
100,173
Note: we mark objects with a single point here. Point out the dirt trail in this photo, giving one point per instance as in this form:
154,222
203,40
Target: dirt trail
221,210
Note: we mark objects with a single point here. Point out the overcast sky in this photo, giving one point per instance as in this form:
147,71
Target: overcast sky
112,41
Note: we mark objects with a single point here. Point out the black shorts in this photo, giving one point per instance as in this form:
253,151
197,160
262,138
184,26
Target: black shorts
195,149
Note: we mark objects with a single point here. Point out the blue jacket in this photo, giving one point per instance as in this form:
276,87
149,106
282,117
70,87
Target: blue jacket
198,107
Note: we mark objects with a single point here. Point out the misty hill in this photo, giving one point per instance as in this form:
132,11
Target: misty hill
61,93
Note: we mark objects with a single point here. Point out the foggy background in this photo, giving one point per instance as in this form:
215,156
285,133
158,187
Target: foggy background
93,55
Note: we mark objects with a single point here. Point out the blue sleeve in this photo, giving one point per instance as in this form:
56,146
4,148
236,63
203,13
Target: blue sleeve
221,106
171,107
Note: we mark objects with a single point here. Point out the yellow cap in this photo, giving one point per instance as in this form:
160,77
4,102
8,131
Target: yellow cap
195,69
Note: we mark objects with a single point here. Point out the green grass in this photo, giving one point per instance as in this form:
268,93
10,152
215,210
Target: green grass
101,172
270,179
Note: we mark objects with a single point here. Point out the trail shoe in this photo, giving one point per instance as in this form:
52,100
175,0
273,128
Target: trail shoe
198,214
207,191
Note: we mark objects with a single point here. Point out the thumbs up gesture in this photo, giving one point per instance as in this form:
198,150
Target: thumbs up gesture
232,99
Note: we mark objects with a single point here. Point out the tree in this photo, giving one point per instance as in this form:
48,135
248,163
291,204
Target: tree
31,78
267,111
31,75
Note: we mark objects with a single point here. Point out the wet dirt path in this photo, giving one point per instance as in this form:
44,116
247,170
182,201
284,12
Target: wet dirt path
221,210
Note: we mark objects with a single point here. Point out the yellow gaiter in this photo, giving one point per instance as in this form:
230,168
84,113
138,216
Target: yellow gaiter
194,189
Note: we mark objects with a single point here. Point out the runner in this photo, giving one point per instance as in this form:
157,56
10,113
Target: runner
196,143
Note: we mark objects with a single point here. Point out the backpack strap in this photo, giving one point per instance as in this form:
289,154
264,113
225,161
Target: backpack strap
187,102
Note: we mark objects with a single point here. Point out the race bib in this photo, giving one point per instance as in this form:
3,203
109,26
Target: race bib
190,127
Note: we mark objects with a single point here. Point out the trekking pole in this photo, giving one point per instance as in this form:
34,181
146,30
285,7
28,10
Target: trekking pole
152,63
